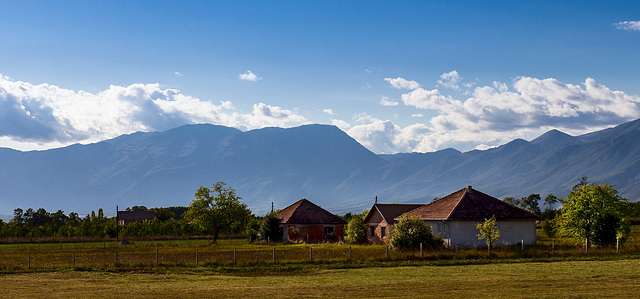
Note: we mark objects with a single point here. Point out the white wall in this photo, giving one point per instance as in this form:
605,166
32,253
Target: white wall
465,233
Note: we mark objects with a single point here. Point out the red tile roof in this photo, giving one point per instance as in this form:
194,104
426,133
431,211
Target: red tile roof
390,211
305,212
470,204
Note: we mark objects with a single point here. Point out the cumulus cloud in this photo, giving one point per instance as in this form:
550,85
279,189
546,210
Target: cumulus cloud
249,76
386,102
628,25
50,115
401,83
264,115
328,111
495,114
450,80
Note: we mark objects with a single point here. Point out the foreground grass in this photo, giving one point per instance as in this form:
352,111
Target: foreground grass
614,278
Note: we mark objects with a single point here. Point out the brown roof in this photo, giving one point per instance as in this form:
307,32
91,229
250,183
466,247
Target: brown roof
470,204
136,215
390,211
305,212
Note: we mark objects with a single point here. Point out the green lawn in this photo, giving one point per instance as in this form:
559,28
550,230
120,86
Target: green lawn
619,278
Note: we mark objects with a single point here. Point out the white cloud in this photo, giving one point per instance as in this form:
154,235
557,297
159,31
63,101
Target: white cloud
328,111
401,83
450,80
343,125
417,115
249,76
264,115
386,102
178,74
45,116
628,25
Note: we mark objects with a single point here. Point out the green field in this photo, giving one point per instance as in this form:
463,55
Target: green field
617,278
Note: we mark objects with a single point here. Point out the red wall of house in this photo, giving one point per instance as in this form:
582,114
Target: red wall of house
377,238
314,233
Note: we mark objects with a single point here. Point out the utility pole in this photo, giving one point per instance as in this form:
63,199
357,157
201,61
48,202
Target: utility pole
117,224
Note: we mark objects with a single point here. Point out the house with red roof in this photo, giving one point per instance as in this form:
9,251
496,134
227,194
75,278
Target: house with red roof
455,216
306,221
381,219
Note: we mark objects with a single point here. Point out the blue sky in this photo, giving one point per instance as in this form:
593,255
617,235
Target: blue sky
397,76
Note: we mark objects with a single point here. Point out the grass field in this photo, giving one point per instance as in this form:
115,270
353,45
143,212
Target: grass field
616,278
372,271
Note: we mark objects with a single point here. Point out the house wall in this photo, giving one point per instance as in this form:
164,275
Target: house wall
465,233
311,233
377,237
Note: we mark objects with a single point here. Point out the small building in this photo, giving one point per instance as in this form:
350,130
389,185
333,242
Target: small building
455,216
381,219
305,221
126,217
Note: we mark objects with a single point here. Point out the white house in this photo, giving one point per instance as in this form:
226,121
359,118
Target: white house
455,216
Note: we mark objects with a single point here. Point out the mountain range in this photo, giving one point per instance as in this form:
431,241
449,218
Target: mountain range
317,162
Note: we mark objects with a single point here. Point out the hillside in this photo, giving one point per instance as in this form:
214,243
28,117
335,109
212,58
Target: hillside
318,162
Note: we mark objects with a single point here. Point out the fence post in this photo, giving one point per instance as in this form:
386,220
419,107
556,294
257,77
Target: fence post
387,251
349,252
267,240
617,245
586,246
522,241
235,256
147,245
310,254
196,258
157,257
456,256
553,246
421,255
29,260
274,254
74,258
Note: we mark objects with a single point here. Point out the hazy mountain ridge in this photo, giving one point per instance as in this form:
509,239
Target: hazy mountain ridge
318,162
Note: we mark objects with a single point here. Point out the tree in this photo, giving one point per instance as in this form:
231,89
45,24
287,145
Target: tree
488,231
356,231
217,210
584,181
550,201
409,232
531,203
269,227
593,213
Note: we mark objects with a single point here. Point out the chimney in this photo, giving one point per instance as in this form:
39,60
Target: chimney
376,199
469,189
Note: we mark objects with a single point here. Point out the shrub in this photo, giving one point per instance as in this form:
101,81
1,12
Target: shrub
356,231
269,228
409,232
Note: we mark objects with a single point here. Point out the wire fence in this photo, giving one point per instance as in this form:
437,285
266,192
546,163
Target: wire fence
197,253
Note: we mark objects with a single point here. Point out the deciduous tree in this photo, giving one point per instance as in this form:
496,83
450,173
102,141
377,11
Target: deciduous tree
593,213
488,231
218,209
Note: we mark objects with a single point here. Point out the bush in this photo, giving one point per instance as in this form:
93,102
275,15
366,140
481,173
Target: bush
549,228
269,228
356,231
409,232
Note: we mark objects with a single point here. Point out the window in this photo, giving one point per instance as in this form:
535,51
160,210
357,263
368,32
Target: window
383,232
373,231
